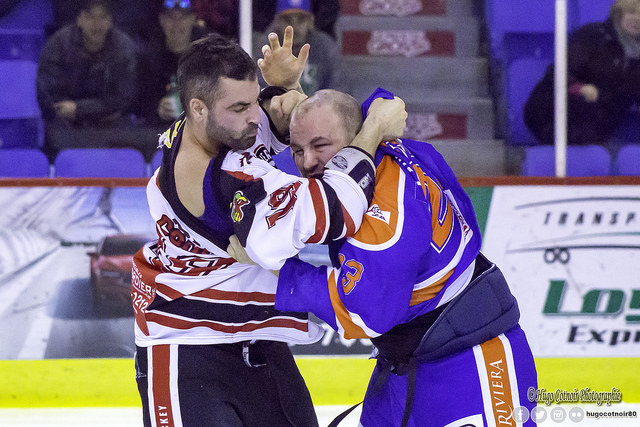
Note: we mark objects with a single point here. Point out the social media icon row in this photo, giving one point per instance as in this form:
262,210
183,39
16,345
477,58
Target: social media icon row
539,414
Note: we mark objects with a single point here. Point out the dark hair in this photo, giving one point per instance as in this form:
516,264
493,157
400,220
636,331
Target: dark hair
87,5
205,62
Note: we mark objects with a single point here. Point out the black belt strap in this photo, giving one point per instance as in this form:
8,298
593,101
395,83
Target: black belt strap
343,415
382,378
375,388
411,389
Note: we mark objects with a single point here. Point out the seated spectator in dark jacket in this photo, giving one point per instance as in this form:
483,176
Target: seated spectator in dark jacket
134,17
86,80
323,69
603,80
159,103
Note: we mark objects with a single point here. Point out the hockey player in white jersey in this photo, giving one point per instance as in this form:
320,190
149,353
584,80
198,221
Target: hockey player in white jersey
211,348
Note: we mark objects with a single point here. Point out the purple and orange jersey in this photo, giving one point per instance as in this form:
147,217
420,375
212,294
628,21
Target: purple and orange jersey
414,252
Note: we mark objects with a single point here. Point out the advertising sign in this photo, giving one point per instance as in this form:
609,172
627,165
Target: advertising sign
571,255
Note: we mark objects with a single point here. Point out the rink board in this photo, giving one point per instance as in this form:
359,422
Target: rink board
332,381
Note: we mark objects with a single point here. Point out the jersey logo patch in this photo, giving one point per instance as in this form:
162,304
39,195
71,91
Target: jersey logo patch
262,153
239,200
340,162
169,135
375,212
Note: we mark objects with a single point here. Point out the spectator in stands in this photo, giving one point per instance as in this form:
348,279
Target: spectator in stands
603,80
325,14
86,80
222,16
133,17
159,101
323,68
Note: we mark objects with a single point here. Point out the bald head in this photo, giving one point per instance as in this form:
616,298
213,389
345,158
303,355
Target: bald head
343,105
321,126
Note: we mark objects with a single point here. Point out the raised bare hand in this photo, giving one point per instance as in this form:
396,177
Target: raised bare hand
279,66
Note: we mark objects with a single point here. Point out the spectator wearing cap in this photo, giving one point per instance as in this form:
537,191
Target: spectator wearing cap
323,69
325,13
86,79
158,104
222,16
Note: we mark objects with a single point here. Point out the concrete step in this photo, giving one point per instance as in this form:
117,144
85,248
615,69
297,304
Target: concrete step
412,36
473,157
426,52
455,76
454,118
443,111
407,7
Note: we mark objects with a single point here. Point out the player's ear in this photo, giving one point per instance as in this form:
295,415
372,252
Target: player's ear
198,109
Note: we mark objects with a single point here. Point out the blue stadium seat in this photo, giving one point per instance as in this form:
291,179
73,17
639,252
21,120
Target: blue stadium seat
591,11
156,160
23,163
522,76
28,15
505,16
21,44
18,83
20,118
588,160
526,44
100,162
628,160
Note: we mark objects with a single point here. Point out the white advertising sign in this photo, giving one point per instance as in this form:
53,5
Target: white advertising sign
571,255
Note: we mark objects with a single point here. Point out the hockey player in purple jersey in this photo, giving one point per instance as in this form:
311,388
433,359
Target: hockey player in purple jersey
444,325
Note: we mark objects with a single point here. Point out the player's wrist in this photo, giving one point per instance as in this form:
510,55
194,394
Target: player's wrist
358,164
296,86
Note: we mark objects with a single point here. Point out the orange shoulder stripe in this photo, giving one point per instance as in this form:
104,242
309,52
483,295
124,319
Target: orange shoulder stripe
351,330
374,229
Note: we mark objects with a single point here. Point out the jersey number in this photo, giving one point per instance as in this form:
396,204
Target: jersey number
282,201
442,214
353,274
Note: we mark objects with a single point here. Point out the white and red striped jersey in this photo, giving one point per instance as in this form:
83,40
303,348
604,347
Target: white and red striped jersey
186,289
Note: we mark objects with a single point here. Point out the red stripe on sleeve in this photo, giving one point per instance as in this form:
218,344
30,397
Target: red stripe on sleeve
349,223
319,204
